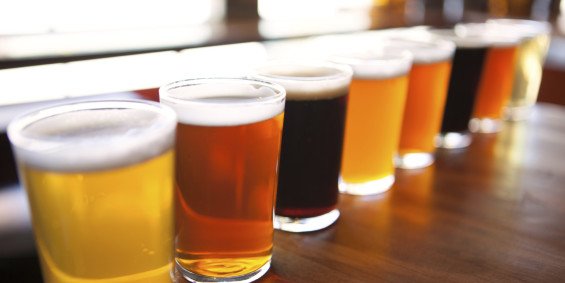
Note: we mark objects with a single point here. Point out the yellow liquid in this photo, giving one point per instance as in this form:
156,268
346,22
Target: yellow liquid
372,129
104,226
528,71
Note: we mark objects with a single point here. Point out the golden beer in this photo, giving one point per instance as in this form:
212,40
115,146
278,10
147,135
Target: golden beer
374,119
99,179
228,143
425,101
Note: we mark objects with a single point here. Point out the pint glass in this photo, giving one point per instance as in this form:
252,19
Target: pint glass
228,143
314,121
99,179
467,67
374,119
497,77
427,90
529,65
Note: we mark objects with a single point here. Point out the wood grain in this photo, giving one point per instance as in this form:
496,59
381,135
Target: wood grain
494,212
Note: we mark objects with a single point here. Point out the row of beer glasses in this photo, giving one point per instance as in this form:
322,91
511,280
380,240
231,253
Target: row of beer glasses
105,178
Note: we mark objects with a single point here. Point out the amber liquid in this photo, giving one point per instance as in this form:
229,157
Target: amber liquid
423,113
372,128
495,86
226,186
105,226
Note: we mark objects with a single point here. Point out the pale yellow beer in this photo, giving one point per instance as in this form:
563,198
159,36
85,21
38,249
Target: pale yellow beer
99,179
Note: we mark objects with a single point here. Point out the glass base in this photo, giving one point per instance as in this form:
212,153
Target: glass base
367,188
193,277
453,140
517,113
297,225
415,160
485,125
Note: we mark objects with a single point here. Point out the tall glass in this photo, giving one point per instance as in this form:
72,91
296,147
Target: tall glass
529,65
497,77
99,179
228,143
467,66
314,122
425,101
374,119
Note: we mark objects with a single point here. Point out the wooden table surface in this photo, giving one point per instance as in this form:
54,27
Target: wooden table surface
494,212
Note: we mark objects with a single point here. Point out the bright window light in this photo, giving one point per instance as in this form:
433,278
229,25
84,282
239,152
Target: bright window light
41,16
293,9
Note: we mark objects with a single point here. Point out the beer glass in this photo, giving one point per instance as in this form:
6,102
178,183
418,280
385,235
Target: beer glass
495,84
425,101
529,65
227,152
99,180
314,121
374,119
467,66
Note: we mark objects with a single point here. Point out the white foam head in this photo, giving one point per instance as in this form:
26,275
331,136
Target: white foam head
307,80
460,40
223,101
425,51
494,35
380,63
93,136
526,28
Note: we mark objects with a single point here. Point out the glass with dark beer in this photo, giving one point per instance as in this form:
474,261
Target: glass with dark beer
467,67
314,121
425,101
227,152
99,179
374,119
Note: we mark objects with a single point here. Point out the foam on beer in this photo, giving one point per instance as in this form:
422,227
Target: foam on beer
75,138
223,101
381,63
424,51
308,81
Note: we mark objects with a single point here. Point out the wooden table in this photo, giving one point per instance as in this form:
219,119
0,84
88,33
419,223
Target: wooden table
494,212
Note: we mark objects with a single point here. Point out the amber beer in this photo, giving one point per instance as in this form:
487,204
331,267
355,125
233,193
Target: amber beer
228,143
99,180
374,118
312,141
529,65
425,101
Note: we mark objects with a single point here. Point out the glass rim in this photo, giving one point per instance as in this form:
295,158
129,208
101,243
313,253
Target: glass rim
164,91
25,119
528,28
93,151
442,49
344,71
489,33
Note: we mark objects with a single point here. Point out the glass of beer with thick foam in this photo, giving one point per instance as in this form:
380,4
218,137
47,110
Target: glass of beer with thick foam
374,118
314,122
467,67
529,65
100,183
227,152
425,102
495,85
